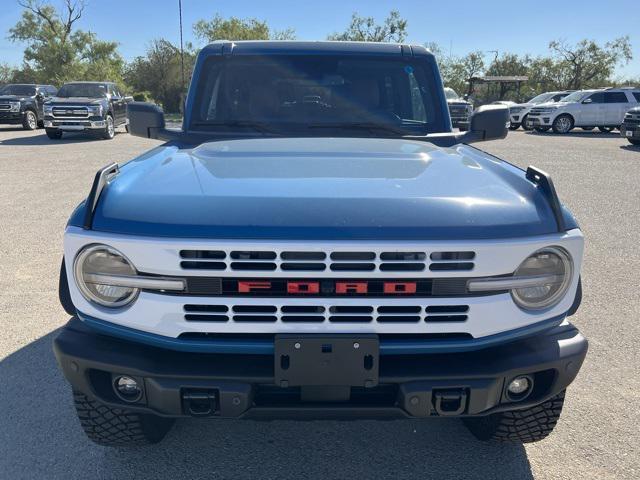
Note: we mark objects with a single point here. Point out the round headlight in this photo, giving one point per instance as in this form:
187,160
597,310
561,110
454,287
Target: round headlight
96,260
553,262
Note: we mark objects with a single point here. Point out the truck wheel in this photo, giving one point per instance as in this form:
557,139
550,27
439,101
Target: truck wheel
528,425
110,129
53,133
562,124
116,427
524,123
30,121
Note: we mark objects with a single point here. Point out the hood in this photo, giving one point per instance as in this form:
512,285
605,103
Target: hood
321,188
76,100
14,98
524,105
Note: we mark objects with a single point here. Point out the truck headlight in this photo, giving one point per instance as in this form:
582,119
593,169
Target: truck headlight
14,106
48,109
553,268
95,110
92,269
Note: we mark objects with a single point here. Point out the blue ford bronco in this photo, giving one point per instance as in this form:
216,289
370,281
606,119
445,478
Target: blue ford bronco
315,242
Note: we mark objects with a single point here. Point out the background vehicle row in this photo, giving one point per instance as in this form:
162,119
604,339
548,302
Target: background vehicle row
22,104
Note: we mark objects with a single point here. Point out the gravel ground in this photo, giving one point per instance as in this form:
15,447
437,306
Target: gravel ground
597,437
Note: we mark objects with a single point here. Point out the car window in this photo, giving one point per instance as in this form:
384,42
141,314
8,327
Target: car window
559,96
637,95
597,97
615,97
52,90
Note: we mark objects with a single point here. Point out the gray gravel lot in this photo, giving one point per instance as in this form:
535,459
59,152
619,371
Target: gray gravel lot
598,436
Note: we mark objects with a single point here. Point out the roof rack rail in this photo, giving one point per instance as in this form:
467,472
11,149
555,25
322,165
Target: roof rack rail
99,182
544,182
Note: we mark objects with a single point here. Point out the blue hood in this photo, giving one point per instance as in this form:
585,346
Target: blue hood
322,188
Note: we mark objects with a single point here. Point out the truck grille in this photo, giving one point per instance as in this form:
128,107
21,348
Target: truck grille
5,107
70,112
331,313
318,261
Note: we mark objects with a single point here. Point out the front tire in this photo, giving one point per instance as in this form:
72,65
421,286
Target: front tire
53,133
109,129
524,123
562,124
30,120
114,427
529,425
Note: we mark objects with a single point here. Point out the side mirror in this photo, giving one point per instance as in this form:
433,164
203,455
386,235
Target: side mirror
147,120
489,122
587,100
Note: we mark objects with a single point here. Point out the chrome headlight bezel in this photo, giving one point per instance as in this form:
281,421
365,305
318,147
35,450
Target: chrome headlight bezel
87,293
95,110
552,300
14,106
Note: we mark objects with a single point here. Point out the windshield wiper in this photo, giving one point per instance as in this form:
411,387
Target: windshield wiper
260,127
361,126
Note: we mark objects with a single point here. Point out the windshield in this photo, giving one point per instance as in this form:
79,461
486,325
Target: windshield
21,90
451,94
89,90
577,96
293,93
543,97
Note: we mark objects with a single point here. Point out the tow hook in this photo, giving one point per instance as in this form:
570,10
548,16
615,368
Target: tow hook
450,402
199,403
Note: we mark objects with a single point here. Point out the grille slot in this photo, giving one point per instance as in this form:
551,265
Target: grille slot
203,254
447,313
303,256
302,309
254,309
451,261
401,309
254,318
302,267
353,267
351,318
253,255
253,266
206,313
399,318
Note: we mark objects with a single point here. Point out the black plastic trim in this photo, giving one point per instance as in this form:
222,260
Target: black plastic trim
544,181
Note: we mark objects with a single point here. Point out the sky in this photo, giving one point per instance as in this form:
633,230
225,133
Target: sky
460,26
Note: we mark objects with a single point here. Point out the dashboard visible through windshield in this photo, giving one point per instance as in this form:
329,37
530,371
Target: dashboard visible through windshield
290,93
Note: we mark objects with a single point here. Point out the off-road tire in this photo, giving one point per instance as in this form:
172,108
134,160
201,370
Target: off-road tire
562,124
53,133
529,425
110,128
30,120
524,123
114,427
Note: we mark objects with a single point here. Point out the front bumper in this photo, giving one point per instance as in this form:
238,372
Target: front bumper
75,125
541,121
629,130
11,118
469,383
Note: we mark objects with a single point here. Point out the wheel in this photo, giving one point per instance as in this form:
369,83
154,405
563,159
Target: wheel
562,124
606,129
117,427
541,129
633,142
110,129
528,425
524,123
30,121
53,133
514,126
587,129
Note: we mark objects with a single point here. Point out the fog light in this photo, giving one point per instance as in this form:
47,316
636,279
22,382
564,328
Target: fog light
519,387
127,388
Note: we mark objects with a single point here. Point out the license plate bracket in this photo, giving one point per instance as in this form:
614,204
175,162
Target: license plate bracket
326,360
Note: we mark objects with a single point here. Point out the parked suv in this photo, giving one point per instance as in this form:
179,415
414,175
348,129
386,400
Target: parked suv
459,109
518,113
630,128
93,107
22,104
316,242
603,108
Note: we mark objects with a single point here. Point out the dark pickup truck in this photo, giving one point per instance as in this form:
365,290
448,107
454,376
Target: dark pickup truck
22,104
92,107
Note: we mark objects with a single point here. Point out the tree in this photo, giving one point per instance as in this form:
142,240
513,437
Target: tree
588,64
158,74
6,73
234,28
57,51
365,29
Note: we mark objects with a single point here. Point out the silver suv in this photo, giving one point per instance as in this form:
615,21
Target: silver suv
520,112
603,108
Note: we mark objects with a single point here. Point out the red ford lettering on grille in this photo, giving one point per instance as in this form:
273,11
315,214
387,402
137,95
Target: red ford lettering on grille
246,287
351,287
400,287
303,287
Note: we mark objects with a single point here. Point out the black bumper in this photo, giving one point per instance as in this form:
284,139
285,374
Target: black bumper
630,127
445,384
11,118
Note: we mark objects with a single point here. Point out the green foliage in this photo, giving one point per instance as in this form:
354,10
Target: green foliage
234,28
158,74
365,29
6,73
56,51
